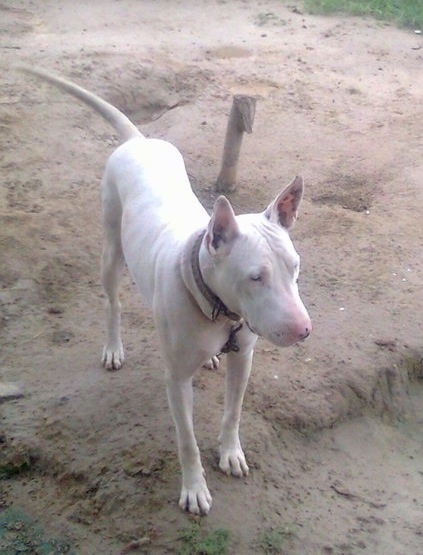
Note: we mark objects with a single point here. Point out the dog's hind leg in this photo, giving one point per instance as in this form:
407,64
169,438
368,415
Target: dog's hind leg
111,272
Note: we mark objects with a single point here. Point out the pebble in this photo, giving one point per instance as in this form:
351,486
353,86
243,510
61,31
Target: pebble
10,390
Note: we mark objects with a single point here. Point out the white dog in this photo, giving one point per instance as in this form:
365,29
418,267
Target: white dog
214,283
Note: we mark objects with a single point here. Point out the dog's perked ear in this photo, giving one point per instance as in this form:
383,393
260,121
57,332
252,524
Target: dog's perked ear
223,227
284,208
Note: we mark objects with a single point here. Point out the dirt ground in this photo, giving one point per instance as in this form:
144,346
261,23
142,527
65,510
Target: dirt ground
332,428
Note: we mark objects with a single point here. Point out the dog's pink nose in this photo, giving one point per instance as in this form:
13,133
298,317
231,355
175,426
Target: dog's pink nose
305,334
291,334
303,329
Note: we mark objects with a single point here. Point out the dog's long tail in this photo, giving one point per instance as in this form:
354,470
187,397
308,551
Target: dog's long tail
115,117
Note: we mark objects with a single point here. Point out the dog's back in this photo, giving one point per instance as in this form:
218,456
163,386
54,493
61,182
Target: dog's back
147,177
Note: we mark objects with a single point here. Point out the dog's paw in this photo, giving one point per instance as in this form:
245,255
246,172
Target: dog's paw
232,461
212,364
113,359
196,498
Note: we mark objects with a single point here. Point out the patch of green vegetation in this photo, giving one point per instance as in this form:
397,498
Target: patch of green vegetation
269,19
11,470
19,534
16,463
196,541
273,540
265,17
406,13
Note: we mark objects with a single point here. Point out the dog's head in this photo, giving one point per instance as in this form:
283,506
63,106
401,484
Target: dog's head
253,267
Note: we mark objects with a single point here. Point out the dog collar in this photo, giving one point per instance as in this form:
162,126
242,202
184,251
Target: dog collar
213,306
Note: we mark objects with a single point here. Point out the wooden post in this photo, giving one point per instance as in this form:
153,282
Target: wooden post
241,119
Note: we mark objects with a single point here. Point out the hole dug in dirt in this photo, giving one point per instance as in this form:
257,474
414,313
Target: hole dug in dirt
412,364
399,389
350,192
144,92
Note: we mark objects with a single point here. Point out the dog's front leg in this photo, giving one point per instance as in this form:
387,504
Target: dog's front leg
195,496
232,458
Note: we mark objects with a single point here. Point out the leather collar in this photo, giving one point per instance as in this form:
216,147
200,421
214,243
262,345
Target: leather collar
210,304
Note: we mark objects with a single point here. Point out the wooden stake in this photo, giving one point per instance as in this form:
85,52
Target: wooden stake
241,119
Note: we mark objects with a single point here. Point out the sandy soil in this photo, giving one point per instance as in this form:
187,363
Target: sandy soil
332,428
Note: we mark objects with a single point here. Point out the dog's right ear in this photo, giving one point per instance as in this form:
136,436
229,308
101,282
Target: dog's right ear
223,227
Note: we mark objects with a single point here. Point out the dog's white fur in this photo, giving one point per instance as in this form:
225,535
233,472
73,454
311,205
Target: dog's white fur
151,218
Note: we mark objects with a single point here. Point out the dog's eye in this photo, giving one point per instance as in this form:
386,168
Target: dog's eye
256,277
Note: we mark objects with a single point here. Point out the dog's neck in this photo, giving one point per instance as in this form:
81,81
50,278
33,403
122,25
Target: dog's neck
209,303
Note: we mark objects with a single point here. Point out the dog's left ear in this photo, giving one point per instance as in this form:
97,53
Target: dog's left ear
284,208
223,227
